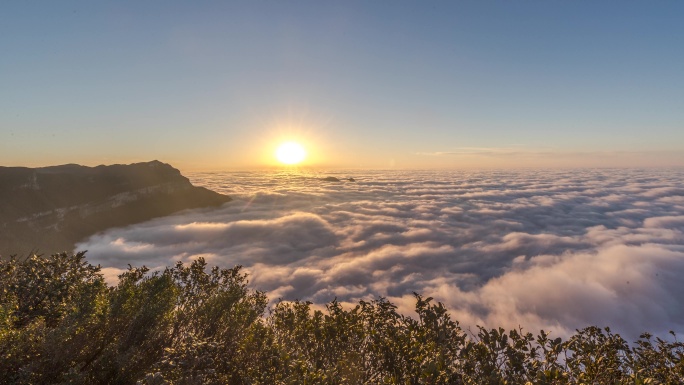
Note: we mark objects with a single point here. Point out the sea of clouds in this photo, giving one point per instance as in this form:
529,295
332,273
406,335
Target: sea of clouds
554,250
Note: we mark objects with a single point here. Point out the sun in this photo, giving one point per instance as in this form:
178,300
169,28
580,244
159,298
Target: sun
290,153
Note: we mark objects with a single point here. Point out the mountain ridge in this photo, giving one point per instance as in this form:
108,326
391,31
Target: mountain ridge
51,208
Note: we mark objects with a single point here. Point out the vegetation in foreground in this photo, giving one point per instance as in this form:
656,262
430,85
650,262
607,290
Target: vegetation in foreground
60,323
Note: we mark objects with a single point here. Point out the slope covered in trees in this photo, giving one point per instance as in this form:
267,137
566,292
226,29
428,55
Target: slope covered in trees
55,207
60,323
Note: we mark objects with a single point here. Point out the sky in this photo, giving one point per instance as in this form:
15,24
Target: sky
361,84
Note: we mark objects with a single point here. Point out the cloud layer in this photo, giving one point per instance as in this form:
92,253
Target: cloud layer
557,250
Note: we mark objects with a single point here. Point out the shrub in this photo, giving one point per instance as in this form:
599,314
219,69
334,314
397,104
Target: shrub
190,324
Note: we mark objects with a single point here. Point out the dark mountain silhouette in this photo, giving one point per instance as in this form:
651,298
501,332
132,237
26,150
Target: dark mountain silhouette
330,179
52,208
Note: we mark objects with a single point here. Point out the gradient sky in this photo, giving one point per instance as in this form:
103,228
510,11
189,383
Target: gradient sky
378,84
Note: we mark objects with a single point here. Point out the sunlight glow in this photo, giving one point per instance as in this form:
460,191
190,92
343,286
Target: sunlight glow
290,153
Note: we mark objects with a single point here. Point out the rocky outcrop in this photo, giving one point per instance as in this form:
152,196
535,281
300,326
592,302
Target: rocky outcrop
334,179
49,209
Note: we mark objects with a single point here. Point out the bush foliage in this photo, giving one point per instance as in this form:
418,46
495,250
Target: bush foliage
191,324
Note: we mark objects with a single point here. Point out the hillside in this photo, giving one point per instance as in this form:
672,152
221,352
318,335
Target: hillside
55,207
196,324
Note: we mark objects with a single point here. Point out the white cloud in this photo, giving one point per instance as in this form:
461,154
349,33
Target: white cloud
555,249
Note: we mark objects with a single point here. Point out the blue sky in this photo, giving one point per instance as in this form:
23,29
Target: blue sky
216,85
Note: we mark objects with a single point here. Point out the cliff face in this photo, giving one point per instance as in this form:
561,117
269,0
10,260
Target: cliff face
49,209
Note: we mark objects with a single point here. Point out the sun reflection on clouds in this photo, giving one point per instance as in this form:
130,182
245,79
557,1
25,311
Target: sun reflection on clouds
131,247
201,226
